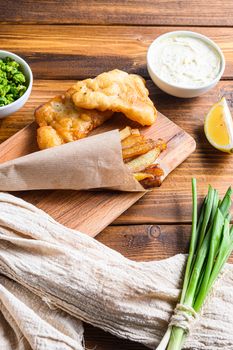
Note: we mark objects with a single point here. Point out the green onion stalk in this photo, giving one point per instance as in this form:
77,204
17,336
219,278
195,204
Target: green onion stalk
210,246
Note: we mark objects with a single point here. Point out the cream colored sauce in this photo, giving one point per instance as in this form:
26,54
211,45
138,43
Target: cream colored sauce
186,61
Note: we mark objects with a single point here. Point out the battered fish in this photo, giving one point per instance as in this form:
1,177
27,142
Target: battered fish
60,121
116,91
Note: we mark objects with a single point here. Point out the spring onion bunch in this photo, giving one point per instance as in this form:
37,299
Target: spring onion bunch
210,246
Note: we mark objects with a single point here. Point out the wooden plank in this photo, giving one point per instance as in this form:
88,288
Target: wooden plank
74,52
146,12
147,242
97,339
90,212
174,198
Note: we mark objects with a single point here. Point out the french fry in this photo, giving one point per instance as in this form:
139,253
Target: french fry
140,163
127,160
124,133
141,176
139,148
155,181
131,141
155,178
161,144
135,132
139,154
127,131
154,169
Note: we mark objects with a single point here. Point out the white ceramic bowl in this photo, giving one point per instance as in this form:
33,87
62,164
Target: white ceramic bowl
172,89
16,105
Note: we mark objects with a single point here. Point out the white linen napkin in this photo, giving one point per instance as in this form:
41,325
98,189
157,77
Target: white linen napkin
27,322
68,275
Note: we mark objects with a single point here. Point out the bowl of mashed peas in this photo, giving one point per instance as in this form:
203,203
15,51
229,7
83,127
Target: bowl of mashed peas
15,83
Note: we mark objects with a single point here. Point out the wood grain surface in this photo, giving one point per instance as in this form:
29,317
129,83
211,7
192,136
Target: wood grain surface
116,35
91,211
145,12
74,52
172,202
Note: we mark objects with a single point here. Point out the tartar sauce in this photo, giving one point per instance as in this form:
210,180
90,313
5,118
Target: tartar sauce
186,61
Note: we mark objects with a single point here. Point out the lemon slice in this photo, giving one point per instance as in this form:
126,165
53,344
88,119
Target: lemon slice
219,127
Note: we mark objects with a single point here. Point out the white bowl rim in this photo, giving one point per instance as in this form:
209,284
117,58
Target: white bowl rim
192,34
30,76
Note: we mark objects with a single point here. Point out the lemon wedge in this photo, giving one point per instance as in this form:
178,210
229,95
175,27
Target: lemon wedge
219,127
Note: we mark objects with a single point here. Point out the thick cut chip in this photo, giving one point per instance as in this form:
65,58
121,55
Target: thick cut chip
116,91
139,148
146,160
140,163
132,140
124,133
61,122
155,180
142,176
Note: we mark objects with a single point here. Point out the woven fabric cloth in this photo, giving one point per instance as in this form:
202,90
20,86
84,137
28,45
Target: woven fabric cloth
55,273
27,322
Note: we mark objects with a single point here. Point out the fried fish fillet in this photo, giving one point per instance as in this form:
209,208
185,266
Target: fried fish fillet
61,122
117,91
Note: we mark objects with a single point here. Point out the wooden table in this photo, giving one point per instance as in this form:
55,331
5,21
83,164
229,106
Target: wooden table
64,41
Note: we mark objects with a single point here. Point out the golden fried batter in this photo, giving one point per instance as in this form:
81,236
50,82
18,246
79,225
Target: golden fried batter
48,137
117,91
61,122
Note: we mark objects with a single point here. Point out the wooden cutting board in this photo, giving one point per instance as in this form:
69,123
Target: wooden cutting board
92,211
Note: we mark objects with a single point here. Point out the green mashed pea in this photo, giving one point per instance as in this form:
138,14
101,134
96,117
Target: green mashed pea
12,81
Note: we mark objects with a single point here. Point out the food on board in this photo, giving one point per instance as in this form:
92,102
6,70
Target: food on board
117,91
89,103
61,122
141,145
142,153
142,162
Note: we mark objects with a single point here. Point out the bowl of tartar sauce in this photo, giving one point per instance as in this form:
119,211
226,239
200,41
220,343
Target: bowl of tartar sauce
184,63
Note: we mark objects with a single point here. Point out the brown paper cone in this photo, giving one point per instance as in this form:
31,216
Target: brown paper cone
92,163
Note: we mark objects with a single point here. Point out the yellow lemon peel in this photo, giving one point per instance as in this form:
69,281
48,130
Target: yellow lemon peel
218,127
